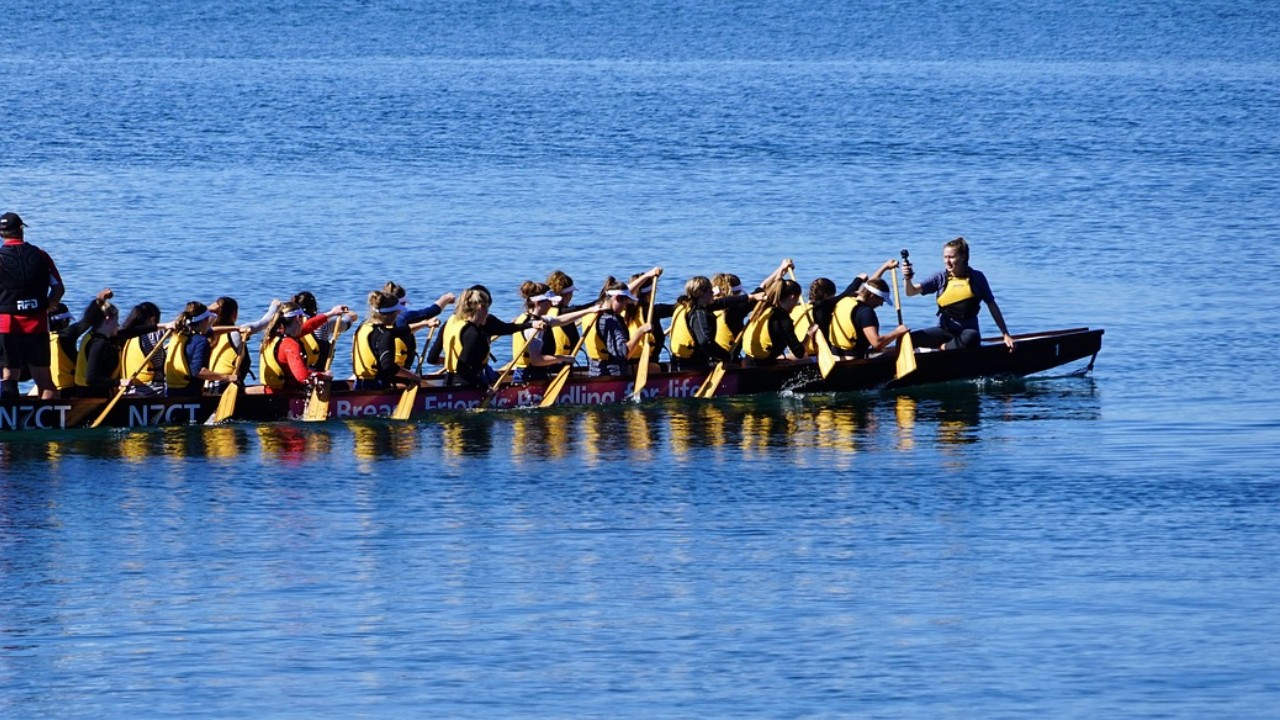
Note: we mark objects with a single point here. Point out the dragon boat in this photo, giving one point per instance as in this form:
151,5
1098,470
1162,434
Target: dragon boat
1035,353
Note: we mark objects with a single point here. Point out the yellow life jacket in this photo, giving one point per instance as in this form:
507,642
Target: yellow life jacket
451,338
177,371
596,349
563,343
633,326
757,341
682,342
844,336
363,359
363,362
61,365
724,334
802,321
518,344
273,373
957,299
82,362
311,349
131,359
222,356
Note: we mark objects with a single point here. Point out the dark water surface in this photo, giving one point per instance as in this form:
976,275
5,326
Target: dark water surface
1096,546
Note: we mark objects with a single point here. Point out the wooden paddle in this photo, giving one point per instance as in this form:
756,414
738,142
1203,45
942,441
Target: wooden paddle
642,370
557,384
317,408
227,403
145,362
404,408
712,383
506,372
826,358
906,363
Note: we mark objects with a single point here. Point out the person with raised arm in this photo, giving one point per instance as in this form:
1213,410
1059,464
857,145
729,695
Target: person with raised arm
960,291
283,359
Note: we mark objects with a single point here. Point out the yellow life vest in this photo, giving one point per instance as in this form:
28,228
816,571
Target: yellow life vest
363,359
724,335
222,357
451,339
518,344
957,299
131,359
682,342
82,362
61,365
273,373
844,336
757,341
310,349
564,343
596,349
802,320
633,326
177,371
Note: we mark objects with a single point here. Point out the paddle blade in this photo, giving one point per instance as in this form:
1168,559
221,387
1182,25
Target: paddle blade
826,358
642,373
712,383
906,357
404,408
226,405
555,387
317,408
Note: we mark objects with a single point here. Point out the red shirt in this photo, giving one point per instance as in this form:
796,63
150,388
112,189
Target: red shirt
290,349
32,323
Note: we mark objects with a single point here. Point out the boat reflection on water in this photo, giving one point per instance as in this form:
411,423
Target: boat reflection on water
293,445
807,431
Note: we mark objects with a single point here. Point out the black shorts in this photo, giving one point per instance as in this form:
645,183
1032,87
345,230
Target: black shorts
20,350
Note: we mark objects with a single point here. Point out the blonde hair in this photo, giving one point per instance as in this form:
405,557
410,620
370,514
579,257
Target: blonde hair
382,302
474,299
725,282
274,326
558,281
694,288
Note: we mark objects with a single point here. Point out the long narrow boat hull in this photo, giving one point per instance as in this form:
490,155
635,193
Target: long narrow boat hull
1034,354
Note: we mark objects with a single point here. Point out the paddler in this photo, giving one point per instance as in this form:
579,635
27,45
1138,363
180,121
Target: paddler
960,290
282,359
316,344
148,380
383,350
771,331
186,366
229,338
732,319
609,342
462,345
99,358
849,314
64,335
538,357
694,325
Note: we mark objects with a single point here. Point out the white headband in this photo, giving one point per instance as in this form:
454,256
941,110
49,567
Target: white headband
201,317
293,313
388,310
735,289
566,291
60,316
545,297
882,294
621,293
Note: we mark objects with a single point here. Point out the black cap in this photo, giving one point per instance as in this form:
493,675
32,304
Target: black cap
11,224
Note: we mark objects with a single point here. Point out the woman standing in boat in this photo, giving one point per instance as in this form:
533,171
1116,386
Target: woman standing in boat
960,291
186,366
283,359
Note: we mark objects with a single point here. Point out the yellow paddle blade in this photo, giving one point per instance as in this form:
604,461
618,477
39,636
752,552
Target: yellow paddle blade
317,408
826,358
642,373
712,383
226,404
555,387
404,408
906,357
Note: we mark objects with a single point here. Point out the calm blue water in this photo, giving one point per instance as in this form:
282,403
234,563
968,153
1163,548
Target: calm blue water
1099,546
